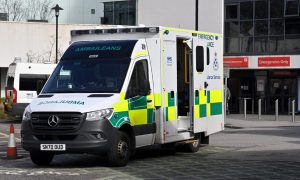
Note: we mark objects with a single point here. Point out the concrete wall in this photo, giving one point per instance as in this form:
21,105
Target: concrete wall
79,11
33,41
181,14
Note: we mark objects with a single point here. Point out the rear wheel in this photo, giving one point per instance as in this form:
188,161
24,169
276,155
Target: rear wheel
193,146
41,158
120,151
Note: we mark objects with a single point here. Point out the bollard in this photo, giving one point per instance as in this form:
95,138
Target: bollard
259,109
293,110
276,110
245,108
289,106
252,103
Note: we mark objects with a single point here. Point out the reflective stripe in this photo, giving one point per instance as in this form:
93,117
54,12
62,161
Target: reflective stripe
209,104
190,31
140,53
216,96
157,99
138,117
170,109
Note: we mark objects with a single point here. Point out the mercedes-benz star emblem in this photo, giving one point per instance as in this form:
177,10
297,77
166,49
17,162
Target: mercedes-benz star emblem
53,121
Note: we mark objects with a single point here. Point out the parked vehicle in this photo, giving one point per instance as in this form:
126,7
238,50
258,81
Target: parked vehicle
24,81
115,90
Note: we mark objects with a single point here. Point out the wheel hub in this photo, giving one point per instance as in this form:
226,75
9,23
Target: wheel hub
122,149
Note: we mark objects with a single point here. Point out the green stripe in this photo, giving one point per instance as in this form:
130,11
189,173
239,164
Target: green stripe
150,114
171,101
136,103
118,118
208,96
216,108
166,110
202,110
197,101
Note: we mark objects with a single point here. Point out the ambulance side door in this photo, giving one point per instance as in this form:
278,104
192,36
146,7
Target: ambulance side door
141,103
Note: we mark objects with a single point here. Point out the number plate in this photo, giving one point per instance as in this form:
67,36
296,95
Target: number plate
53,147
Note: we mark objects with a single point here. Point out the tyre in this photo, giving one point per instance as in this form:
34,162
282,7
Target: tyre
194,146
41,158
120,150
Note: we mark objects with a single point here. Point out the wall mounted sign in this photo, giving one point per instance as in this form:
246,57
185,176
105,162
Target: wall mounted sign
236,62
274,61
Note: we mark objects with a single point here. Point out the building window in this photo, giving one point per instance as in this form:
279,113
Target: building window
276,27
3,17
246,10
261,9
276,10
261,44
93,11
232,28
262,27
232,11
291,8
277,44
119,13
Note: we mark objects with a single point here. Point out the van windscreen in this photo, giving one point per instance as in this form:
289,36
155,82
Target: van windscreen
30,82
88,76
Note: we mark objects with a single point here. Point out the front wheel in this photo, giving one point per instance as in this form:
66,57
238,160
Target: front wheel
41,158
120,151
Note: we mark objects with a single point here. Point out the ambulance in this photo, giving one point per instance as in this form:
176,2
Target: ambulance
118,89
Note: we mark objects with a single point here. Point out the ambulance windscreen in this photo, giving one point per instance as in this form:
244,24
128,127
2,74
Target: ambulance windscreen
104,72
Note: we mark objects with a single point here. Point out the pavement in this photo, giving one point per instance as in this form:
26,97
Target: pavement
247,149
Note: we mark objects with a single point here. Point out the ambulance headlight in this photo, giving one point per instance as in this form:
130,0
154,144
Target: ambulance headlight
27,114
97,115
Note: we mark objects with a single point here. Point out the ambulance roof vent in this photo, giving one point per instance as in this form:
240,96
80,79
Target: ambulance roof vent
116,30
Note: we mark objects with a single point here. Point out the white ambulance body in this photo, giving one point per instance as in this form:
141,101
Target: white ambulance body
126,88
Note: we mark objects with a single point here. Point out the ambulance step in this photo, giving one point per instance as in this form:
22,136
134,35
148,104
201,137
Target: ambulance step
182,130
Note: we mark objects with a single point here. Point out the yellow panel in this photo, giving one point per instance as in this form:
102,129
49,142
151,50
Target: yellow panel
121,106
166,100
138,117
150,105
122,96
216,96
208,110
197,112
203,98
157,97
172,113
191,31
140,53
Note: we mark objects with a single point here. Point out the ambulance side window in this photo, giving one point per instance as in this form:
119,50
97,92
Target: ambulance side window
139,82
199,59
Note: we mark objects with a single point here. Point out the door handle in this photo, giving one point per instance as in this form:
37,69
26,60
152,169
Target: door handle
149,101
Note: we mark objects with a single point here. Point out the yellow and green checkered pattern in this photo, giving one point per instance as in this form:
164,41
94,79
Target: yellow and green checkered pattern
209,104
170,108
135,111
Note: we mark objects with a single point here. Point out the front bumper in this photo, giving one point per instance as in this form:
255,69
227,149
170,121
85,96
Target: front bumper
94,137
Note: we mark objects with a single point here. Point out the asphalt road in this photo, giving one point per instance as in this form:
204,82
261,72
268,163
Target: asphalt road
247,150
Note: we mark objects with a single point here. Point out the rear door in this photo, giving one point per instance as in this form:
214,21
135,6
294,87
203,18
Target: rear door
200,85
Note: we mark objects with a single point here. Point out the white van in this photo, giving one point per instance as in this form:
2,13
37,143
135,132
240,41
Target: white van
115,90
23,83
